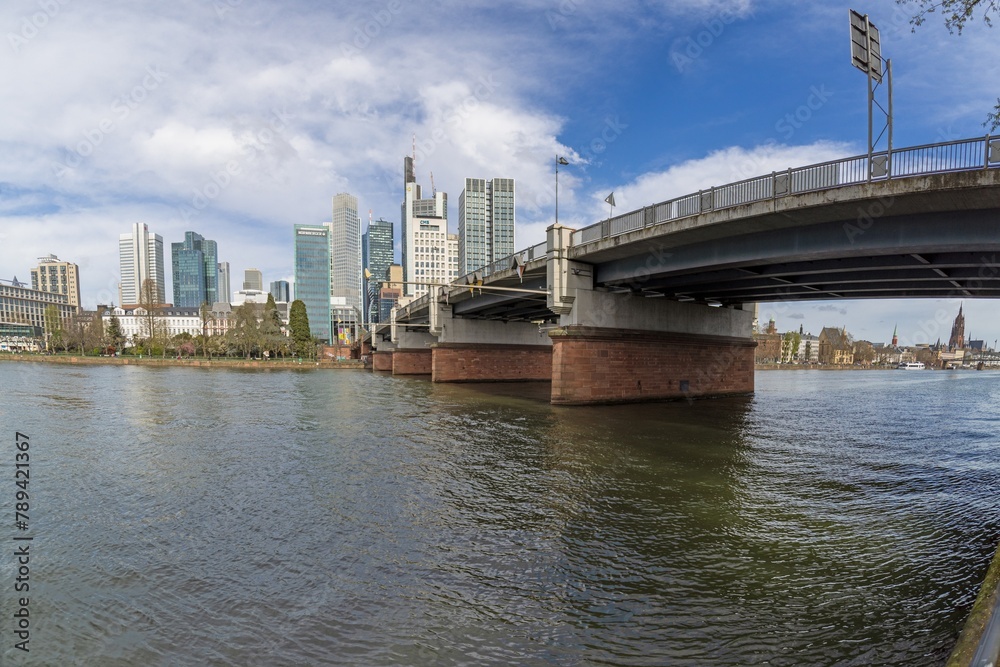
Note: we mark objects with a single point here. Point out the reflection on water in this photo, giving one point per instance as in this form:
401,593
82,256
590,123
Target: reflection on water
204,516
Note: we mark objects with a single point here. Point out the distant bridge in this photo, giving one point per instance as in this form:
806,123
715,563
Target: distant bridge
923,222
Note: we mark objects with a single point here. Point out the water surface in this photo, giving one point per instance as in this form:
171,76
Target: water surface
187,516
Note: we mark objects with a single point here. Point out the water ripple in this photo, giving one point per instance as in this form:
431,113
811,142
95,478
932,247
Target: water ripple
196,517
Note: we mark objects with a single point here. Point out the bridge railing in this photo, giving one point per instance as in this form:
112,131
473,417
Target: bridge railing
939,158
944,157
538,251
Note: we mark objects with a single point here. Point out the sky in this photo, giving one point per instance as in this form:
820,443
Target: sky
237,119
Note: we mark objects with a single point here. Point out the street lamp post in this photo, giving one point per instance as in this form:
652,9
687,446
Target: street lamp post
559,161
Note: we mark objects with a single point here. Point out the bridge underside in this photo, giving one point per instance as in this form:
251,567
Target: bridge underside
834,260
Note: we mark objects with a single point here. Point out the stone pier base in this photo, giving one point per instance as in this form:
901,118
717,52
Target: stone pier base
411,361
382,361
466,362
604,365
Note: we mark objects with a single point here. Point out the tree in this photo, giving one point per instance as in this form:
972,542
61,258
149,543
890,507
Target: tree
270,327
864,353
94,333
298,322
958,13
152,328
54,332
114,336
206,319
247,329
790,347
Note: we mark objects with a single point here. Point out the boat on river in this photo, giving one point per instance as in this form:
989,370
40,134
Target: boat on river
911,366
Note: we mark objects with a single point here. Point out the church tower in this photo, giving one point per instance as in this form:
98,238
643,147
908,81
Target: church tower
895,338
957,340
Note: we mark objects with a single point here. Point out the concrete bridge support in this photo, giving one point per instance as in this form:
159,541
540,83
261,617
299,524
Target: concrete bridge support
488,350
412,355
382,360
620,347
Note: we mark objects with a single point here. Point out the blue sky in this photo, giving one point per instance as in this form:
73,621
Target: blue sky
239,118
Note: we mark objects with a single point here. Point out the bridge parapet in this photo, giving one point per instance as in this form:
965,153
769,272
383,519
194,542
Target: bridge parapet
940,158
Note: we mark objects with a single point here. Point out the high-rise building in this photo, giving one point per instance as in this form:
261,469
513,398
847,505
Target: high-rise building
253,279
58,277
312,276
20,305
140,256
345,251
424,235
485,222
453,250
378,250
195,276
281,290
225,286
391,290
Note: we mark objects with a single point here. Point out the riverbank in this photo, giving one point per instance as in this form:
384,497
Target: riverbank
817,367
980,637
813,367
197,362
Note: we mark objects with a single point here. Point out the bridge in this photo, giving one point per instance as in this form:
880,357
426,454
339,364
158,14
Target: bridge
657,303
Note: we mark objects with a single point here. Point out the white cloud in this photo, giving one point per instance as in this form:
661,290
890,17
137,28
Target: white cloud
719,168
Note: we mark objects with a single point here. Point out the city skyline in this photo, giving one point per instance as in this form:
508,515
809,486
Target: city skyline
668,102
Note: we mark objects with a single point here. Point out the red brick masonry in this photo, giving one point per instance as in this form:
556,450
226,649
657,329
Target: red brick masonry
382,360
415,361
466,362
597,365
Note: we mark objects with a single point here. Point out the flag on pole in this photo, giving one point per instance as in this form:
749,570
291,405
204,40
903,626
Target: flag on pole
611,199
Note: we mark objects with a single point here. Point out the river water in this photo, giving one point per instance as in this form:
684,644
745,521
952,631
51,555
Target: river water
187,516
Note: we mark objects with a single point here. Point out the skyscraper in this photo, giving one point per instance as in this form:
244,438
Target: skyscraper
345,251
425,236
378,255
225,286
280,290
452,270
195,277
485,222
140,256
53,275
253,279
312,276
